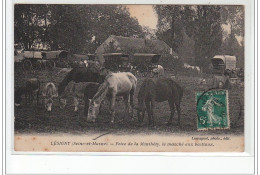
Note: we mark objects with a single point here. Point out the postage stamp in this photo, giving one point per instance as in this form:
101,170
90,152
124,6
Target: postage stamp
212,110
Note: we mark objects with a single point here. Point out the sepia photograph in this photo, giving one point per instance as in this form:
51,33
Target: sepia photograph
128,78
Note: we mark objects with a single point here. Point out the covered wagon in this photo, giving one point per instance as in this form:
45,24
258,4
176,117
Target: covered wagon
117,62
43,59
144,63
224,70
222,63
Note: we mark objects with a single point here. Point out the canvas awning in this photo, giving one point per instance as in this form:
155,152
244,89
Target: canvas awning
226,60
115,54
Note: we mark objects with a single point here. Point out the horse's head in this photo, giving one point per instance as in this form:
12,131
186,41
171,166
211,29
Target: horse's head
18,96
93,111
63,102
48,104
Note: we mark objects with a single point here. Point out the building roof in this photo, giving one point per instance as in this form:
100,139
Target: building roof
129,45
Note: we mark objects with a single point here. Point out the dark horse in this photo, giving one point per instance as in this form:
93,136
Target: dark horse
89,92
82,74
30,87
159,90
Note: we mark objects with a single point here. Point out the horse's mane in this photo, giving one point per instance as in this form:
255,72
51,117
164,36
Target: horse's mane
101,90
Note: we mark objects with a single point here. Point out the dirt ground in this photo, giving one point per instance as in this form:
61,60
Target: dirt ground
35,119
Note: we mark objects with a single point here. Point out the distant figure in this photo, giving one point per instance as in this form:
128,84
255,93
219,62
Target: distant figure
86,63
49,92
30,87
159,71
202,81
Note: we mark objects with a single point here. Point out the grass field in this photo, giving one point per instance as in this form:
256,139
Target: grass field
34,119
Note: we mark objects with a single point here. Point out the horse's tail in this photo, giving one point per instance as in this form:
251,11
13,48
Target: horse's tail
178,88
133,80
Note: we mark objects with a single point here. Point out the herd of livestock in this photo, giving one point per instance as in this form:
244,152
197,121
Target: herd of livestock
94,85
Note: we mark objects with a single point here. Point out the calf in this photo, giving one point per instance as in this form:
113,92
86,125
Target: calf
30,87
49,92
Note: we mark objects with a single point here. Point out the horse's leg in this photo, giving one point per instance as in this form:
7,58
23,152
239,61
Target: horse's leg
38,92
152,107
32,97
172,107
86,99
178,107
132,103
76,104
126,100
148,108
112,107
26,98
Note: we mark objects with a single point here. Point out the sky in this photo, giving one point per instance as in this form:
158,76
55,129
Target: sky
145,15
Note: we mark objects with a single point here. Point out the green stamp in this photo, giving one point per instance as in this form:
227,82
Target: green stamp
212,110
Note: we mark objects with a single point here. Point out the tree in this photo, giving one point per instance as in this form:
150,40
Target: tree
204,26
186,49
234,16
28,24
170,24
149,33
76,28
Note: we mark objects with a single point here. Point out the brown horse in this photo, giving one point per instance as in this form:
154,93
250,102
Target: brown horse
158,90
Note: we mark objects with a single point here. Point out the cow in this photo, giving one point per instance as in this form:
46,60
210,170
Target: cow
49,92
30,87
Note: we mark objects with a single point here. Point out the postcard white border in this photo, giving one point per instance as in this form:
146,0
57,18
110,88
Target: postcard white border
242,163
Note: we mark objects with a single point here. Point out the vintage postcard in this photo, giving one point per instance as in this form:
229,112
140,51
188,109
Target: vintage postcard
128,78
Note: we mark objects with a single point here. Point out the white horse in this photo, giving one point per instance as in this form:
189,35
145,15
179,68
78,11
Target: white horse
115,84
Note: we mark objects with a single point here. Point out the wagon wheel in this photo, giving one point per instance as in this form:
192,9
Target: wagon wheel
27,65
64,64
113,67
151,74
145,71
38,65
50,64
139,71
